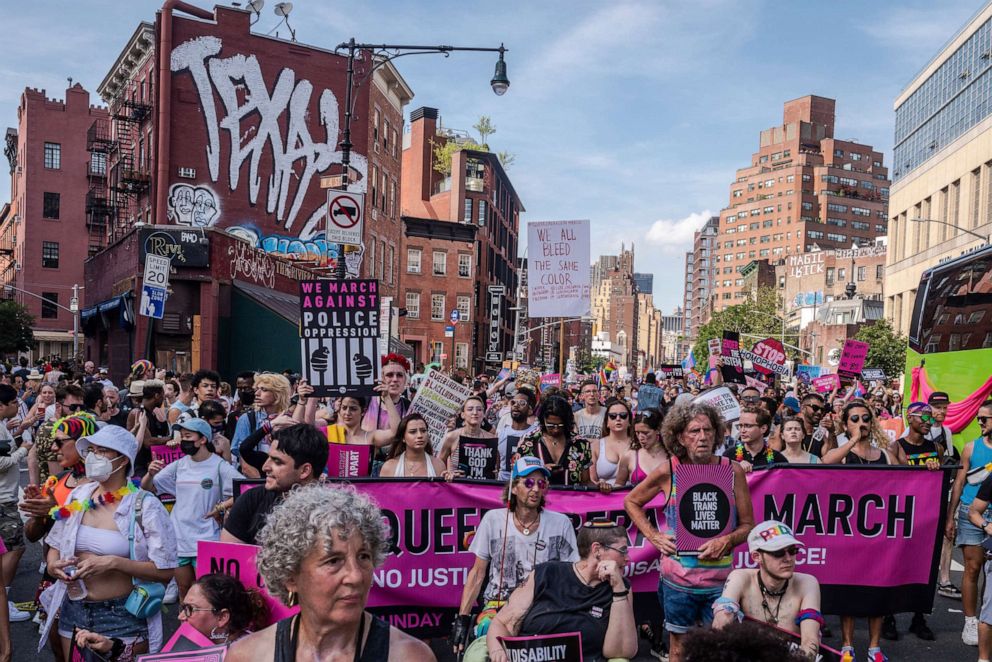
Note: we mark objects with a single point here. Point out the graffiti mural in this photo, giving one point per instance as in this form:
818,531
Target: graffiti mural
194,206
314,249
257,124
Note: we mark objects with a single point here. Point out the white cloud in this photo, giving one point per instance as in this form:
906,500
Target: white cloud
675,236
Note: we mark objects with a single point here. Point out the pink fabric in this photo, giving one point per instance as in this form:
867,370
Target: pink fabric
959,414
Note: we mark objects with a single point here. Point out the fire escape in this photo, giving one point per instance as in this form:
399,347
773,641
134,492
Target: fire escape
100,210
129,174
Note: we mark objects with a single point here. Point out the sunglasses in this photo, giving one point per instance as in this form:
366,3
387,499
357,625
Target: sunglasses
815,407
75,407
926,418
622,415
556,426
780,553
982,420
188,610
857,418
529,483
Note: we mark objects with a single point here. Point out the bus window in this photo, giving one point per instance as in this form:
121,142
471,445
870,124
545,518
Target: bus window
952,309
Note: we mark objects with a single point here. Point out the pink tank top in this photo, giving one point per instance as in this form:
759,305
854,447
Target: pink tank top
638,474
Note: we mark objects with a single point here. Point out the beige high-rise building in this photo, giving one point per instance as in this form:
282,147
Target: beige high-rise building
941,165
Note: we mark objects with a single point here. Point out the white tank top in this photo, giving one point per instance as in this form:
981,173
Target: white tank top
605,469
401,466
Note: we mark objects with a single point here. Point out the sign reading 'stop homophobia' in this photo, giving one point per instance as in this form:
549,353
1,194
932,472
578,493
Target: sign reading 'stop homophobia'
339,336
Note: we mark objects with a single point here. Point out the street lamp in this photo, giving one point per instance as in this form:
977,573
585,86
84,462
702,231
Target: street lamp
956,227
500,83
73,309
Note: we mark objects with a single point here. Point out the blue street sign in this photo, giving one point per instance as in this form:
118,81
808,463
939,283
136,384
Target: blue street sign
449,332
152,301
455,317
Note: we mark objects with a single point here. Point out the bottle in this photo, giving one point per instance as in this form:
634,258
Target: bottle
75,589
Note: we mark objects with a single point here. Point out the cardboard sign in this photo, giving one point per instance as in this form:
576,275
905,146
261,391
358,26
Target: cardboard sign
165,453
670,371
733,366
755,383
713,345
873,374
723,400
438,399
807,373
349,460
339,336
852,358
566,647
242,485
186,638
825,383
238,561
558,262
767,357
212,654
479,458
549,380
705,504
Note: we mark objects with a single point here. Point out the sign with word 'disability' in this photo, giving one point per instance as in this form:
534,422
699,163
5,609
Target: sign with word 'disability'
564,647
339,336
705,504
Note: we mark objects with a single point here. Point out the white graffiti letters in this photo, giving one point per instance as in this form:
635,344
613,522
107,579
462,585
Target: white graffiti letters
240,77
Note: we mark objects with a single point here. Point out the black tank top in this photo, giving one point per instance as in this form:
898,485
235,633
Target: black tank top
376,646
812,446
918,455
853,458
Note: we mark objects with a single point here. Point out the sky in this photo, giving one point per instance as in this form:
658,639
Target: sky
633,114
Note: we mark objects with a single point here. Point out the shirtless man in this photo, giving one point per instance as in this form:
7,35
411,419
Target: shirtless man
773,593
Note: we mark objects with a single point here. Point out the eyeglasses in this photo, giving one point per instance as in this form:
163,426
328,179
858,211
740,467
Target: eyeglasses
618,550
750,399
75,407
982,420
59,442
108,453
622,415
780,553
188,610
857,418
529,483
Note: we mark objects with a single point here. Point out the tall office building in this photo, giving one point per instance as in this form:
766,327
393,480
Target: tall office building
699,277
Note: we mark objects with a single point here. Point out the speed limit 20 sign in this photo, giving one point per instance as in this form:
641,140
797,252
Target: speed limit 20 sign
156,271
345,217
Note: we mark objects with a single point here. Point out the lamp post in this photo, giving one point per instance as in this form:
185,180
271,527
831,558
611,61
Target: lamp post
987,240
72,309
500,83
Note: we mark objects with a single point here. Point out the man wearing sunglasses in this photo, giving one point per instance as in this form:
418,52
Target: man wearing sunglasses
510,542
774,592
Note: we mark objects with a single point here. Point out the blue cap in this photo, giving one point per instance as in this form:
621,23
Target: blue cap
197,425
527,465
792,404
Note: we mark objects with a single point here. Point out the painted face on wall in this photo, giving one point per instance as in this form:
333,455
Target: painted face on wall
193,206
204,208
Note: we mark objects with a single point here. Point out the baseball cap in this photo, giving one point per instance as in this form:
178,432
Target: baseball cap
939,398
528,465
113,437
792,404
918,409
771,536
197,425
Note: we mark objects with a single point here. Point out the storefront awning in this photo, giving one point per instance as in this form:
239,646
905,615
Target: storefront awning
286,306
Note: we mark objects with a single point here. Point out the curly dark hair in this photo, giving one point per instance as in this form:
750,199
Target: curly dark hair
738,642
248,609
557,406
678,419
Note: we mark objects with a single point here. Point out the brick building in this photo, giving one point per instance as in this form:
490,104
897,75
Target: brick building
236,134
45,233
803,188
615,307
475,192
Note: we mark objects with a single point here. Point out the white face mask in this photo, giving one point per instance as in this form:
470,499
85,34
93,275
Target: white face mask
99,468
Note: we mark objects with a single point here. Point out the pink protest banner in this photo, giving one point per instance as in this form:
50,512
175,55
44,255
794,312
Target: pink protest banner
212,654
168,454
238,560
706,497
550,379
852,358
826,383
186,638
840,512
756,383
349,460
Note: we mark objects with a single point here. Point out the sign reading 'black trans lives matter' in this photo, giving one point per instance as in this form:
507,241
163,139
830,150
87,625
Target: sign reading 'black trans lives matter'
339,336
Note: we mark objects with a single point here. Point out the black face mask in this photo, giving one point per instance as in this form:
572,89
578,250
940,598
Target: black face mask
188,447
247,398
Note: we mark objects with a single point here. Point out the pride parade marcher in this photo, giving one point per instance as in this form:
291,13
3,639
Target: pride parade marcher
395,374
318,550
615,442
791,433
510,551
518,423
589,419
774,592
565,455
473,412
752,451
976,462
411,454
648,453
271,398
690,584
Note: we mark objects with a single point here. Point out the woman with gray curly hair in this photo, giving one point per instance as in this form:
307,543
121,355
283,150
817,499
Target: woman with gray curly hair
318,550
690,584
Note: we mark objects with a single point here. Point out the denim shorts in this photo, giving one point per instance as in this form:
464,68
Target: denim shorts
985,615
187,560
968,533
106,617
685,610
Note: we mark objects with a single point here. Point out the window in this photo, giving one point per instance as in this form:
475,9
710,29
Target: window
437,307
468,210
862,274
53,156
461,355
98,164
482,213
836,237
371,261
375,184
840,209
879,271
50,254
464,265
49,305
375,131
440,263
437,349
830,276
389,265
861,211
413,305
855,156
814,234
842,274
464,306
51,205
858,225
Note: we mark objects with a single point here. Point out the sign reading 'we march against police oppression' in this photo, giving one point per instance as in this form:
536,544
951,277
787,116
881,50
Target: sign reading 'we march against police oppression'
339,336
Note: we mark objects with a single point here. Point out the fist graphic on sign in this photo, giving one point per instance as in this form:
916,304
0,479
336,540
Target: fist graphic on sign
363,366
318,359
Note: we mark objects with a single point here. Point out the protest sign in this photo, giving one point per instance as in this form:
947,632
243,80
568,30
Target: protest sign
873,374
807,373
733,366
767,357
840,516
670,371
723,400
823,654
565,647
550,379
705,504
826,383
714,345
478,458
558,268
238,561
852,358
186,638
339,336
349,460
212,654
892,427
438,399
753,382
165,453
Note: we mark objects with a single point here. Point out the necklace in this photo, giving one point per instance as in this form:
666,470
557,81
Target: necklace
575,567
769,453
771,617
526,527
104,499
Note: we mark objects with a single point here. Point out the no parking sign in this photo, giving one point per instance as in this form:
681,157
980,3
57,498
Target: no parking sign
345,217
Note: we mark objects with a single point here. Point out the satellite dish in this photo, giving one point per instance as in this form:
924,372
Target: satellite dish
833,356
256,5
283,8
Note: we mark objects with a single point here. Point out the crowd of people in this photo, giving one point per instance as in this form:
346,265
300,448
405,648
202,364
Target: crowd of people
120,519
